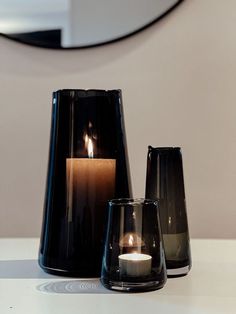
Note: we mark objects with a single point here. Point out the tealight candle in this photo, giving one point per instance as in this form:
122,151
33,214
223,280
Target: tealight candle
135,264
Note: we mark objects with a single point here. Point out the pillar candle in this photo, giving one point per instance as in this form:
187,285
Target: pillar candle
90,180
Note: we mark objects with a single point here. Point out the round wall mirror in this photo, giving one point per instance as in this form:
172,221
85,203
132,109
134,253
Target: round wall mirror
78,23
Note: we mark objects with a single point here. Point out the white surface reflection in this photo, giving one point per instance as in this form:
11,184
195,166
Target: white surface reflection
88,286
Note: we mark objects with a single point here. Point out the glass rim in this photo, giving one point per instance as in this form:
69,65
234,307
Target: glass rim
163,148
87,92
133,201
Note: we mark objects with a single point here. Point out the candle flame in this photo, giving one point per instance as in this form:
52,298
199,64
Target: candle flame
131,240
90,148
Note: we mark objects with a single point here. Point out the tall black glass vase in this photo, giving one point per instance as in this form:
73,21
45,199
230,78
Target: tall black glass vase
88,165
165,183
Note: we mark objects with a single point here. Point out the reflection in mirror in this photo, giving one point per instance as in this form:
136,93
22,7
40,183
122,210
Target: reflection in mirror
77,23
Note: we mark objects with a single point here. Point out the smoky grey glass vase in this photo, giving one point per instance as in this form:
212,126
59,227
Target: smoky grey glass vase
165,183
88,165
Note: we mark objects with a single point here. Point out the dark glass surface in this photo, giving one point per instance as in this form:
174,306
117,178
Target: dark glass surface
165,183
88,165
133,254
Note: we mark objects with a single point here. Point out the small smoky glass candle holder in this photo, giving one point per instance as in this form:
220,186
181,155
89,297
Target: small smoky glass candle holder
133,257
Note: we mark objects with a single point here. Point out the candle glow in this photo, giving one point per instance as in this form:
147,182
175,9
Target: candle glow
90,181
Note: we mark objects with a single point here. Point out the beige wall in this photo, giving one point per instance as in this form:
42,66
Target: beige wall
178,80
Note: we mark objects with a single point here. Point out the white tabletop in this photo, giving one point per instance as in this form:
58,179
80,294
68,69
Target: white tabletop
210,287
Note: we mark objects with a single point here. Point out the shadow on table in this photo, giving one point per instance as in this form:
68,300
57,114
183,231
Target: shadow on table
29,269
